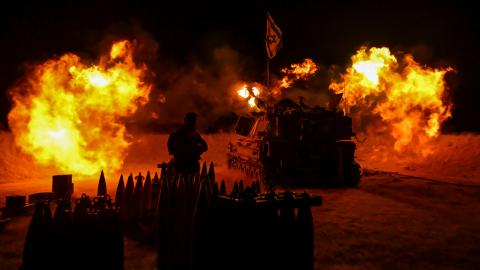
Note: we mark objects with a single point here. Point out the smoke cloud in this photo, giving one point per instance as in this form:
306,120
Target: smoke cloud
207,88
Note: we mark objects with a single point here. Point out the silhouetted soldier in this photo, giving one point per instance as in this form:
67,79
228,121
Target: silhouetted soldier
186,146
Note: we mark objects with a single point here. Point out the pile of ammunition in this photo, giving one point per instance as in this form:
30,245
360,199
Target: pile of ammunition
197,224
89,235
200,226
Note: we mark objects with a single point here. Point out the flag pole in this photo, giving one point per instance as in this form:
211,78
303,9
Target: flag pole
267,75
268,72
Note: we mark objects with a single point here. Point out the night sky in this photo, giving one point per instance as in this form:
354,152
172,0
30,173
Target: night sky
438,34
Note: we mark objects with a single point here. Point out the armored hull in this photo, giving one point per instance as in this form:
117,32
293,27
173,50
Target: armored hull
291,145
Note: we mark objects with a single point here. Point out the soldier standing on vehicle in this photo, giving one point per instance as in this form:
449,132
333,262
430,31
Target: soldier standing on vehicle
186,145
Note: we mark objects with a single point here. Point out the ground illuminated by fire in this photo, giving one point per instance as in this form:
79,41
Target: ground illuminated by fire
390,218
455,161
417,183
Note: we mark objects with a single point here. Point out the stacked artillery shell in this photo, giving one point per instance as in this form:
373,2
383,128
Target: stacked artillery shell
182,211
95,234
126,208
204,172
173,221
163,260
163,172
215,190
195,217
186,199
36,253
191,195
235,191
243,223
254,187
211,174
119,195
287,230
138,198
259,188
269,228
223,189
155,189
217,223
90,237
304,257
97,228
208,224
196,182
84,233
201,251
109,236
147,195
287,242
181,219
240,187
102,186
62,235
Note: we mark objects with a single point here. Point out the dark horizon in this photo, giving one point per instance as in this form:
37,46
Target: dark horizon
437,34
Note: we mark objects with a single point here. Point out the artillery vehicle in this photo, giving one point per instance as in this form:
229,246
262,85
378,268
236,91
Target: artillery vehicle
291,144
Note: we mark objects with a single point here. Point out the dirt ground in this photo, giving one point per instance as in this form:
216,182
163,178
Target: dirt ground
389,222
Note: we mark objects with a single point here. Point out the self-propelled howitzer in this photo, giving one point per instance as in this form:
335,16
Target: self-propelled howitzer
290,144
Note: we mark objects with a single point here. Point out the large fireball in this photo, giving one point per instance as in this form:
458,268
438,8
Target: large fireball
67,112
408,97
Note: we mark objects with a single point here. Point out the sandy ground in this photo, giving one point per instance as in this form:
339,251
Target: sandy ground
455,158
391,221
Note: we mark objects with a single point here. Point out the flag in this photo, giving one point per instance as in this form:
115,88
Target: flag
273,39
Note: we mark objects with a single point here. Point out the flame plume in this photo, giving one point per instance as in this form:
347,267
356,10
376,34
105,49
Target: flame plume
295,72
68,113
408,97
251,95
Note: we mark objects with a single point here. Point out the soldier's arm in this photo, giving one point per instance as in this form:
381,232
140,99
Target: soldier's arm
202,143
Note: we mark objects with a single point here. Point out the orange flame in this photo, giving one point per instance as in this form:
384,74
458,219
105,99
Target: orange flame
296,72
408,97
250,95
67,113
